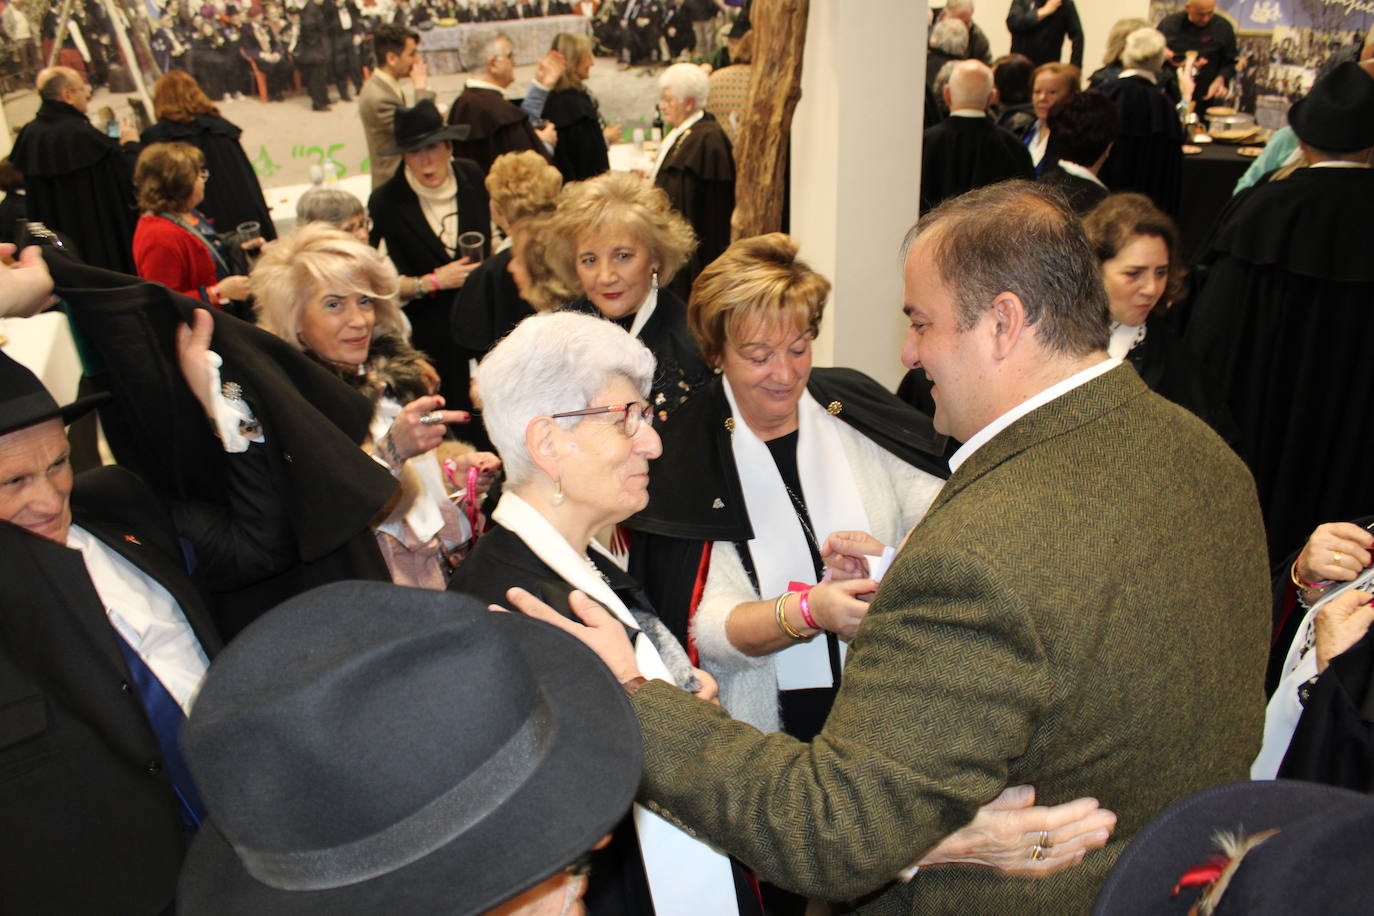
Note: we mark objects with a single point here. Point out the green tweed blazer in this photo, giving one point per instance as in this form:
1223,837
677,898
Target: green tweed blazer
1084,609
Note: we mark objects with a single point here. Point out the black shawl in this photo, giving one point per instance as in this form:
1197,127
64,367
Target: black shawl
581,149
233,194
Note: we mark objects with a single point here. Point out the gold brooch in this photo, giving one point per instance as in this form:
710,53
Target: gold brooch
729,424
834,408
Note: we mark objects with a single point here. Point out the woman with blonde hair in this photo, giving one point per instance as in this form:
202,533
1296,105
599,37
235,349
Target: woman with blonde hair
174,243
184,114
1050,83
582,133
521,186
334,298
617,243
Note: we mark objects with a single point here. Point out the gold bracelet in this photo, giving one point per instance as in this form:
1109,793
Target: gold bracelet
780,616
1297,579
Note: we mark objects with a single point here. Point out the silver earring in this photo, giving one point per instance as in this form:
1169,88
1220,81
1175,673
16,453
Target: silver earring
558,492
654,280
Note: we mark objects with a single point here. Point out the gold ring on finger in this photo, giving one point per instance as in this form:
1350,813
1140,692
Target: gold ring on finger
1044,840
1037,852
1336,557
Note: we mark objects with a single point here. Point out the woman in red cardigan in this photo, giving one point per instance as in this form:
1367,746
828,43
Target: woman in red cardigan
174,244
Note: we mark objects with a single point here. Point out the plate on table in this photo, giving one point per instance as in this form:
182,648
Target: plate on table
1249,152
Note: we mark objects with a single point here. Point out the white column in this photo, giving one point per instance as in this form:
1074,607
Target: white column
856,162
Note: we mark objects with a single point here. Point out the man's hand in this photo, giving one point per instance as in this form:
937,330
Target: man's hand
1050,7
193,353
602,632
127,132
548,133
1217,90
1341,623
419,74
25,285
1005,831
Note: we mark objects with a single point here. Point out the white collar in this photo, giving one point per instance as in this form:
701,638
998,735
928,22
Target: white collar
986,434
389,81
1146,75
968,113
673,136
483,84
1079,171
1339,164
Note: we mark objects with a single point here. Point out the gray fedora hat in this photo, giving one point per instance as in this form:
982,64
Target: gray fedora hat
366,748
420,126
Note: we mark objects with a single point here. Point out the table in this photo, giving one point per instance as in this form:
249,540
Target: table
282,201
458,48
1208,179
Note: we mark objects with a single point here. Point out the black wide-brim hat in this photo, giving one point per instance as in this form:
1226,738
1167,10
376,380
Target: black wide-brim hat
420,126
24,401
1320,861
1337,116
366,748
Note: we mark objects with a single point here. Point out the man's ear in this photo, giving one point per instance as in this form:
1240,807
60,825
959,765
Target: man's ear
1009,323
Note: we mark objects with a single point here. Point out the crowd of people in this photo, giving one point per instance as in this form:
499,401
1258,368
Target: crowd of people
782,638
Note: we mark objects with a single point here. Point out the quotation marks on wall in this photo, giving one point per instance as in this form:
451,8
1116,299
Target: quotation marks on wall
265,166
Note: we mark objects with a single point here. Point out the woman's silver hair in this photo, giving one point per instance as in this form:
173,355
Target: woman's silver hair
686,81
1145,50
327,205
552,363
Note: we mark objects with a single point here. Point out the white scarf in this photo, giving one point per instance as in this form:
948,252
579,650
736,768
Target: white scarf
440,207
674,135
645,312
422,485
686,877
780,553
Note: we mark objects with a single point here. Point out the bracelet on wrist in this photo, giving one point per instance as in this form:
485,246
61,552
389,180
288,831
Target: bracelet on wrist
1298,580
804,602
433,279
780,615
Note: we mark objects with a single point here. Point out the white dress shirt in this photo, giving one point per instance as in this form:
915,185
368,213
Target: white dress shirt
146,615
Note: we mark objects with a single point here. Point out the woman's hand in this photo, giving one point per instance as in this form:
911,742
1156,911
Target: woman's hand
1340,624
453,274
486,463
709,690
844,553
602,633
412,437
613,133
1336,551
837,607
236,287
1005,831
193,353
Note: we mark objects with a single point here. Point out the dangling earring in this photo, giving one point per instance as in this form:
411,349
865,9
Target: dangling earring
558,492
653,283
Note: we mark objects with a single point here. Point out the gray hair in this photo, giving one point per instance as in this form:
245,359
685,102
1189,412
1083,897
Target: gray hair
492,46
959,8
551,363
327,205
942,77
686,81
970,84
1145,49
950,36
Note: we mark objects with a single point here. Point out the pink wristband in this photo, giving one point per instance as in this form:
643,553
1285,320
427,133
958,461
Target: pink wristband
804,602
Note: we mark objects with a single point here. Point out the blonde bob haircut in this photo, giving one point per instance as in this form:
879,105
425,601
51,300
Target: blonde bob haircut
295,269
165,176
530,240
523,184
615,202
757,280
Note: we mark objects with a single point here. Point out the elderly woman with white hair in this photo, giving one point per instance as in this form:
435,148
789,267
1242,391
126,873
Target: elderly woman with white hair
334,297
1148,154
695,167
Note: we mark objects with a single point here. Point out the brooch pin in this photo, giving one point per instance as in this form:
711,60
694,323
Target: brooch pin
834,408
133,540
729,424
717,504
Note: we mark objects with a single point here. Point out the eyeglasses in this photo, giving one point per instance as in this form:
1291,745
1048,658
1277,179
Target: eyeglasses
637,413
354,225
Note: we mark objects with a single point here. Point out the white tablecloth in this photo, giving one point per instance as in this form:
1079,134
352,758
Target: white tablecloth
282,201
44,344
458,48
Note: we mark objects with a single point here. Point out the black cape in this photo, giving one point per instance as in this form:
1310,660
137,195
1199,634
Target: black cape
496,126
680,371
1334,740
698,176
1281,319
1166,363
233,194
581,149
416,250
489,306
960,154
313,424
1148,154
500,561
695,496
80,183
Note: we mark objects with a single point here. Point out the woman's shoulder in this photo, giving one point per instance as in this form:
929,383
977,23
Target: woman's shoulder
501,561
880,416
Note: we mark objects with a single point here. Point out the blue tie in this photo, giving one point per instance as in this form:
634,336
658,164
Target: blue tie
165,716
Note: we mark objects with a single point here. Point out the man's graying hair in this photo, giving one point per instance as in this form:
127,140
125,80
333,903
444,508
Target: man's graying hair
1019,237
51,89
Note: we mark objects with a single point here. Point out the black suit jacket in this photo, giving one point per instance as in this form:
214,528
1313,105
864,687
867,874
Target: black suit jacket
91,823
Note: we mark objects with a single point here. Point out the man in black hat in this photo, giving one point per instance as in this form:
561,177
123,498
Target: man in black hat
421,212
104,639
457,761
1283,317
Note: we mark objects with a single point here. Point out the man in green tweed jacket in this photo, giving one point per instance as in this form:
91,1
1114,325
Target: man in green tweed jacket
1082,609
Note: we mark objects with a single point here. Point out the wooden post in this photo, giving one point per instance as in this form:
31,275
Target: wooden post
774,88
